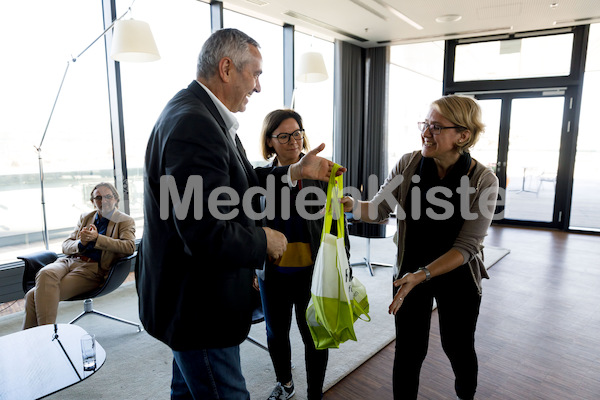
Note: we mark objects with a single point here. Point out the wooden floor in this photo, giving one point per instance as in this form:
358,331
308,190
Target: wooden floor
538,335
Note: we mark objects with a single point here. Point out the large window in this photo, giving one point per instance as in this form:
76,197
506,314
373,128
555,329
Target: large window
147,87
416,72
77,150
270,39
586,184
518,58
314,101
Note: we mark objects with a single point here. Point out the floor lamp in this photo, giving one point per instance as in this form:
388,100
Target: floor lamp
132,41
311,70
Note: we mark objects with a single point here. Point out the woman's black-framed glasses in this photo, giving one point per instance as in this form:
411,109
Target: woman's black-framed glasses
283,138
435,129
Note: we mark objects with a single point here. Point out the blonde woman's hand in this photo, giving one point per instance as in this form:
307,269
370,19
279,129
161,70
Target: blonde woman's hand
405,285
347,203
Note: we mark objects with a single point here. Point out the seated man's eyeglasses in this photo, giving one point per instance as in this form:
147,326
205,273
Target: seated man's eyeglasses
107,197
434,128
283,138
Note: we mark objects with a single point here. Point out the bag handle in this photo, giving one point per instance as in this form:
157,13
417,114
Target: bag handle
362,310
334,193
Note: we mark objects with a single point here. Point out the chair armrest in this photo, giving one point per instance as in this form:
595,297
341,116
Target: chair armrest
33,263
116,276
118,273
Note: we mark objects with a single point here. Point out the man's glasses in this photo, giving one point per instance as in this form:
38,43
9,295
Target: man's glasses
434,128
107,197
283,138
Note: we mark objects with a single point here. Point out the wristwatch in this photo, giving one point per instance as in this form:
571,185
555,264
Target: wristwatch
427,273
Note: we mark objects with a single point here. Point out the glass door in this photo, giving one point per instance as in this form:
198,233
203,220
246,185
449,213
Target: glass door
486,149
524,129
532,162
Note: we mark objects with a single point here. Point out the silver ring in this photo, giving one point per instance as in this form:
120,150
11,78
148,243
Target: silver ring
400,298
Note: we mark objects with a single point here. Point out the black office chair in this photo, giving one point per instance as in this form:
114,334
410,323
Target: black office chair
257,317
116,276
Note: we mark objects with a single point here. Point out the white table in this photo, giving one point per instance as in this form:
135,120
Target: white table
33,365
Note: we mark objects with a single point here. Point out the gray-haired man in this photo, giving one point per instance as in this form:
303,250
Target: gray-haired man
195,274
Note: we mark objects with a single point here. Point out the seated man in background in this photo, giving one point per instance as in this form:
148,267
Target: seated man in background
100,237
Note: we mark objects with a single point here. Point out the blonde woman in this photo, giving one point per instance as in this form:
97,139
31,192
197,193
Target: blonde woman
439,238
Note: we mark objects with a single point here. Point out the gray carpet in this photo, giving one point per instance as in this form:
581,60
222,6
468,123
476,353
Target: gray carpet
139,367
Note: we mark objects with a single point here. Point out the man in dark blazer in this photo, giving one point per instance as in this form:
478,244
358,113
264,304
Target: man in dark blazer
200,248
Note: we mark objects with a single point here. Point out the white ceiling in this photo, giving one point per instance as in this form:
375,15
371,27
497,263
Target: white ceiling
375,22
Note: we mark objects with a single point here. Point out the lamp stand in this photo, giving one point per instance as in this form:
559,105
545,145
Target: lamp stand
45,231
39,151
39,148
293,102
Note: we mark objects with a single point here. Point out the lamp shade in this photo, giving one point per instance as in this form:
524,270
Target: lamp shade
133,41
312,68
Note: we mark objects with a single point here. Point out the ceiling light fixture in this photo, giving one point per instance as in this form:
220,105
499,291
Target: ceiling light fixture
258,2
369,9
399,14
324,25
448,18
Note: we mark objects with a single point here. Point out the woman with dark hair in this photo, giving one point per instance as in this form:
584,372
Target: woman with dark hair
286,282
439,241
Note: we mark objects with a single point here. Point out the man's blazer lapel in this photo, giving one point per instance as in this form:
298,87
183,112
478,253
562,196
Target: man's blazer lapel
241,153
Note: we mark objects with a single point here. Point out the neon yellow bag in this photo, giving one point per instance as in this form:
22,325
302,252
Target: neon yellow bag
360,300
332,309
